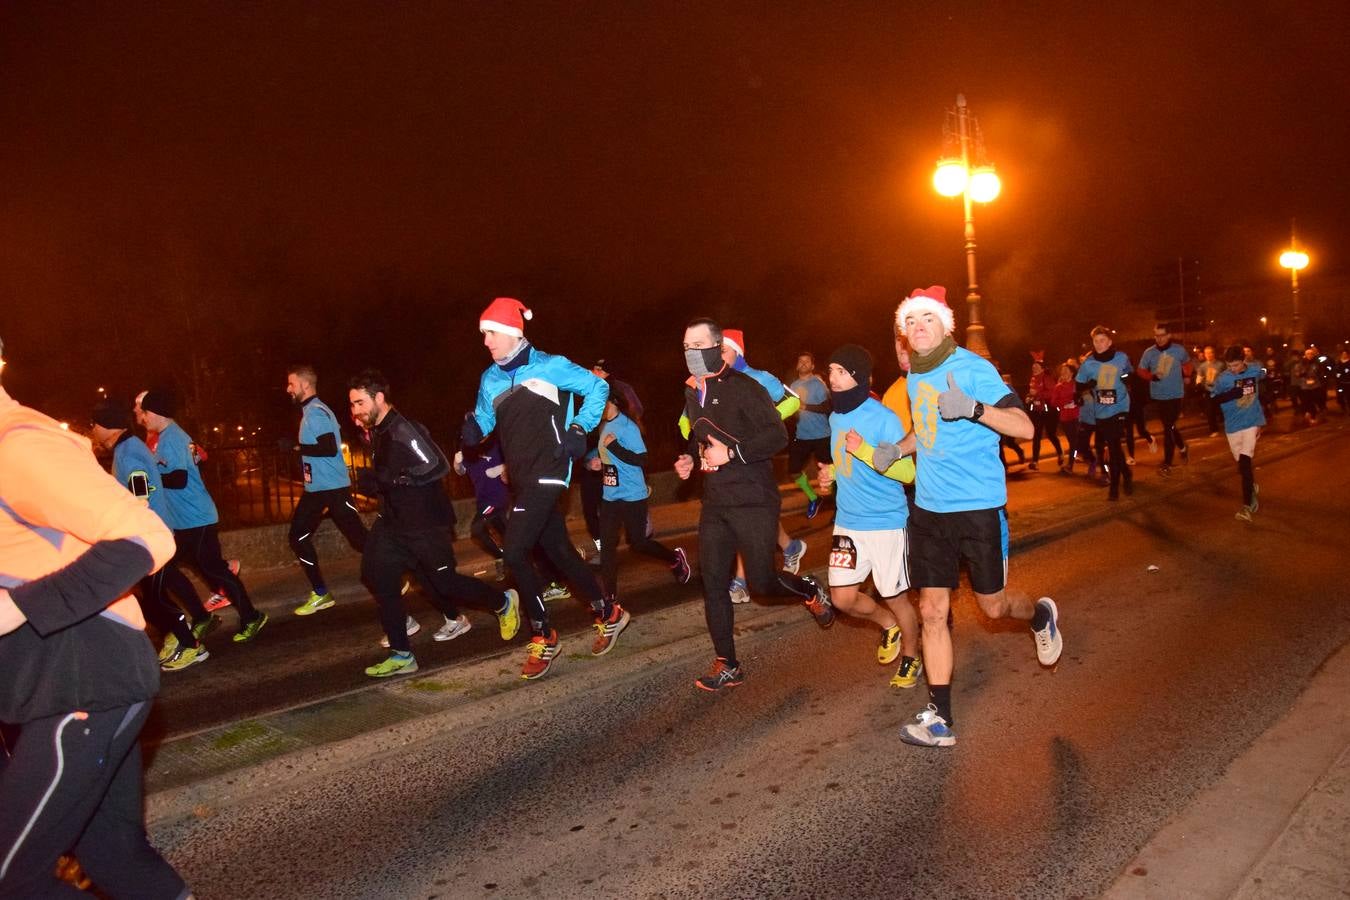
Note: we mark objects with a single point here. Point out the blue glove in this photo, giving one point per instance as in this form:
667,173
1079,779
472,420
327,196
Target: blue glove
573,444
954,403
470,435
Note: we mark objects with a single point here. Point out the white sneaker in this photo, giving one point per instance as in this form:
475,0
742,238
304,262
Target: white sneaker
739,592
930,730
452,629
411,624
792,555
1049,642
555,591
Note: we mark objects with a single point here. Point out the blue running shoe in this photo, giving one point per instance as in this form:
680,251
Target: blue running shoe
812,507
930,730
792,555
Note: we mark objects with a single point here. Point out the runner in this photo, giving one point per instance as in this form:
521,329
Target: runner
812,438
1236,393
1044,414
1166,367
592,490
1205,373
485,470
735,432
871,513
327,485
530,399
414,530
961,407
1064,397
1106,373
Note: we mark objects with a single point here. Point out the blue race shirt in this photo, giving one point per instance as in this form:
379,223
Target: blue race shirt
134,466
621,480
191,506
958,465
1087,410
1245,411
812,426
322,473
777,390
866,499
1108,389
1165,366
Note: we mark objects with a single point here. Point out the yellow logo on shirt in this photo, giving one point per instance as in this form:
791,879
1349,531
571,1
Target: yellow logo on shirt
925,405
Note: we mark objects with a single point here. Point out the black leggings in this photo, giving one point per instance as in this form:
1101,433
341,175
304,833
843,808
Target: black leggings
484,524
162,612
592,491
200,548
1046,423
631,516
723,531
74,784
1136,423
308,514
1168,413
430,554
1111,429
536,521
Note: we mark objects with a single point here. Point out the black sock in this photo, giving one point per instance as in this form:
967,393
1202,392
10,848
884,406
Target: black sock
1248,478
604,607
941,696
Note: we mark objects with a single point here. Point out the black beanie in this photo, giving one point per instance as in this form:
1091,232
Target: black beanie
158,402
111,413
856,361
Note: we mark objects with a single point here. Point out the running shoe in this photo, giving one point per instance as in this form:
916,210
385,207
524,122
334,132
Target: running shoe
169,648
812,507
216,601
500,567
251,629
396,664
792,555
452,629
720,676
1186,454
1152,445
818,604
1164,470
314,603
681,568
184,657
1256,504
410,624
908,674
930,730
607,631
739,592
233,566
542,650
1049,642
1129,460
1244,514
1035,467
555,591
203,627
508,620
889,648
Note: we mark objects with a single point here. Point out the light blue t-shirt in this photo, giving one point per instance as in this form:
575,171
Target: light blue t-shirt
866,499
322,473
1087,409
190,506
1108,388
134,466
1245,410
621,480
958,466
1165,365
811,426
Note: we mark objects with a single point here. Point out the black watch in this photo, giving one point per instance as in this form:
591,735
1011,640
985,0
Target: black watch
977,411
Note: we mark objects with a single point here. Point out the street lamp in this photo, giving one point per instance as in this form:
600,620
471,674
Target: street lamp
964,170
1294,259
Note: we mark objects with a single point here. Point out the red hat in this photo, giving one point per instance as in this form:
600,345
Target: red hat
736,338
506,315
929,299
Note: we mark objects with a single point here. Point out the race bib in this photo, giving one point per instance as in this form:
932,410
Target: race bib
609,475
1248,386
1106,397
309,473
843,553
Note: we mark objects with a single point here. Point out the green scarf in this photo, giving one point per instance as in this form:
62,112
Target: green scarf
927,362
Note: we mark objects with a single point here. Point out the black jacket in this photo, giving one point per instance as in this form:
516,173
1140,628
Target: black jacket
407,468
737,409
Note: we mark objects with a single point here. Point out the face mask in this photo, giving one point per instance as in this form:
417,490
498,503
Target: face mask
703,362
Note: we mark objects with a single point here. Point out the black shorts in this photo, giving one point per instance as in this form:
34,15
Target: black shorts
938,542
800,449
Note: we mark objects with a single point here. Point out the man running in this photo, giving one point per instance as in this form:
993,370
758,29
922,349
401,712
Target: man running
734,433
1166,366
1236,392
1205,373
79,672
961,406
327,485
813,428
1105,372
530,399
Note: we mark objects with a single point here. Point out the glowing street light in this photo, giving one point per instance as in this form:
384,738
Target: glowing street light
1294,259
964,172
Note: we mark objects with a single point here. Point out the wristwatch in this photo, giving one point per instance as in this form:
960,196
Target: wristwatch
977,411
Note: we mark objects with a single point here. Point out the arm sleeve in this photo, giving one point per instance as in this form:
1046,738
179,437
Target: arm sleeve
592,389
788,406
901,470
623,454
326,445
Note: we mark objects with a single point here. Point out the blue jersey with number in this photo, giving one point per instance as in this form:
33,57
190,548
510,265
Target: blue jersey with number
958,466
866,499
621,480
1245,410
1165,366
1107,383
134,466
322,473
190,506
811,426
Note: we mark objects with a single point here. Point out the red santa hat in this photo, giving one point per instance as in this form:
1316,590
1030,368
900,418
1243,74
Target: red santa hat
506,315
930,299
735,338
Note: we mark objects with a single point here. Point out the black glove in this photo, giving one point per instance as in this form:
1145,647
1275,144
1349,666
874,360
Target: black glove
285,445
366,482
470,435
573,444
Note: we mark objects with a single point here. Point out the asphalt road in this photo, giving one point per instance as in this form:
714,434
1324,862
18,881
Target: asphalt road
621,780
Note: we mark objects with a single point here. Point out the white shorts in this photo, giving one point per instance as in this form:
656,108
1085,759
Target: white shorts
1243,443
883,554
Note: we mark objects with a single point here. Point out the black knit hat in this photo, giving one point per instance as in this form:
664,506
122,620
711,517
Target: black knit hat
854,360
112,413
159,402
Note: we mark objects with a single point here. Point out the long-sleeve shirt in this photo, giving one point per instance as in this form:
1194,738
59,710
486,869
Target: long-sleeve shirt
406,470
735,409
72,543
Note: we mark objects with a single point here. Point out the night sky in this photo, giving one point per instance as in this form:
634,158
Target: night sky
199,193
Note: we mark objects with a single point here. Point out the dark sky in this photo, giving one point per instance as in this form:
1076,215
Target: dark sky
223,187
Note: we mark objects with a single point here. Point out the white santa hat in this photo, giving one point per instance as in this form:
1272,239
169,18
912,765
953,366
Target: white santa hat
506,315
930,299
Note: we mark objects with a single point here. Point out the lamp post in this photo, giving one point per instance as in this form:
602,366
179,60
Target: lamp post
1294,259
964,170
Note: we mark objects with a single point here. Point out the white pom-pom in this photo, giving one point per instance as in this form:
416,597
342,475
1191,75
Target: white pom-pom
528,315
